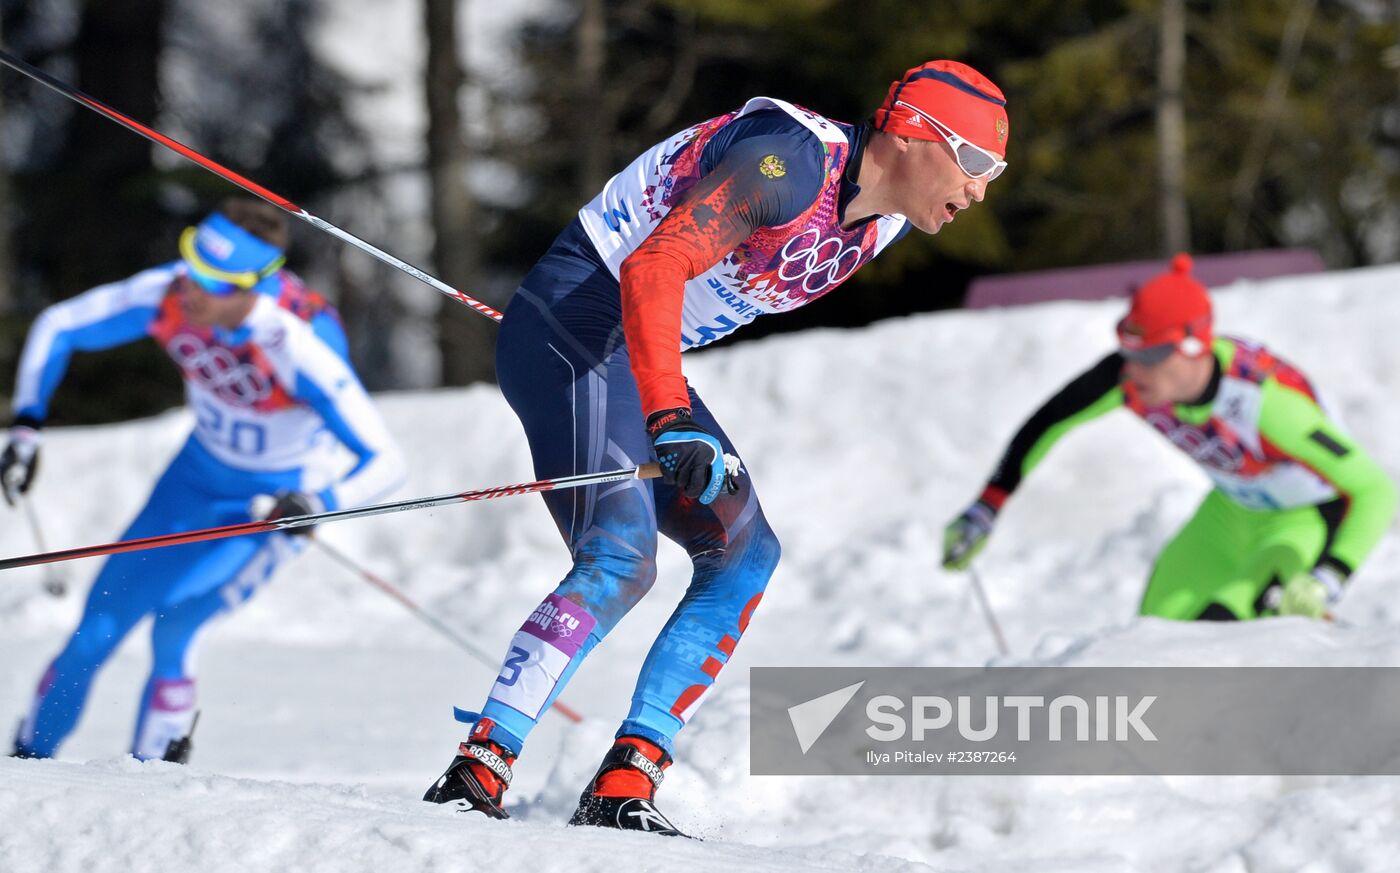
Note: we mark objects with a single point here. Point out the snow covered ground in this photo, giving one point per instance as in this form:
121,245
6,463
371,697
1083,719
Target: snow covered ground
327,709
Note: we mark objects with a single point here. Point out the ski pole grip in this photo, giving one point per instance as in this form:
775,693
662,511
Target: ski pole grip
649,471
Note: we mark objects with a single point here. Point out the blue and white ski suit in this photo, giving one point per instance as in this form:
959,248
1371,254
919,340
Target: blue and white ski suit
271,399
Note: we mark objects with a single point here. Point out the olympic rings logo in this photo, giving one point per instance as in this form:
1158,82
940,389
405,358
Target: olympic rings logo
818,263
1204,447
235,382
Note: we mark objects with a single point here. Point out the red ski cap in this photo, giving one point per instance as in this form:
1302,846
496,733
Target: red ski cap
1171,312
964,100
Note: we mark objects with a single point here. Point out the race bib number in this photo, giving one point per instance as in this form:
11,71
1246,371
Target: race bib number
228,431
539,653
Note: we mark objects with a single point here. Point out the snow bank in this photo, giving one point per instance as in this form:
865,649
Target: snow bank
862,444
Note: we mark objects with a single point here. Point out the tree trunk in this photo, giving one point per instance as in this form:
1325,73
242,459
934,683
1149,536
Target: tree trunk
1275,102
593,123
98,217
1171,129
466,341
7,261
1395,14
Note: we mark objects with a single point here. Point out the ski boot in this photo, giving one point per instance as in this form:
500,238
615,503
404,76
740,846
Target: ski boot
478,777
178,750
19,750
623,792
22,753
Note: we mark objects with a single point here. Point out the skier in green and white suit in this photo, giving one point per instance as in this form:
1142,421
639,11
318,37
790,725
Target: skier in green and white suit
1297,504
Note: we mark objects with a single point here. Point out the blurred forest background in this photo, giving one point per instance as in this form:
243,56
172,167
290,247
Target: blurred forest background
463,136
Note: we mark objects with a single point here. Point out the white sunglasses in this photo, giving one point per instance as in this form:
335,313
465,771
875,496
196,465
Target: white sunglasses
973,160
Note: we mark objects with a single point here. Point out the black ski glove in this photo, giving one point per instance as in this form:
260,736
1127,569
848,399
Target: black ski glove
293,503
19,463
691,458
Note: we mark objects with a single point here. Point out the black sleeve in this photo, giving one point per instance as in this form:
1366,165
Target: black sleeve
1072,400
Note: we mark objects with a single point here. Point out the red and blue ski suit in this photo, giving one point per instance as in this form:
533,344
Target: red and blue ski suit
736,217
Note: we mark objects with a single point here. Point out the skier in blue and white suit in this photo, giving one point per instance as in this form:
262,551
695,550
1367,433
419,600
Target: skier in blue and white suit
267,376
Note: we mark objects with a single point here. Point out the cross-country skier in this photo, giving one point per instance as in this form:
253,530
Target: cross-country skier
758,211
1297,503
267,376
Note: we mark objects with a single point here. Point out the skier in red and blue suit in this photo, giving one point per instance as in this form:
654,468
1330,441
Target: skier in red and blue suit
758,211
267,376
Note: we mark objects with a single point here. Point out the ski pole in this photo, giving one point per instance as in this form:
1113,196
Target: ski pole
977,589
645,471
431,620
248,185
55,579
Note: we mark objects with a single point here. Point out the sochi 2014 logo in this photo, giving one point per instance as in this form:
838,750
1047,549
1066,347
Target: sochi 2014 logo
819,264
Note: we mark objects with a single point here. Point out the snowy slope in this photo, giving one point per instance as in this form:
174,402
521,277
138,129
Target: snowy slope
327,709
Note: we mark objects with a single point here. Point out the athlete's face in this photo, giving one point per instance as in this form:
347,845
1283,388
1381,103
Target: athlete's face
1178,379
213,310
935,189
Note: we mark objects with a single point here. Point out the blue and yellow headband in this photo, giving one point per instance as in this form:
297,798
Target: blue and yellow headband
223,257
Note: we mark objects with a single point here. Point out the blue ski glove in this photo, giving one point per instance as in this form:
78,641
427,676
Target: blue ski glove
966,535
691,458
